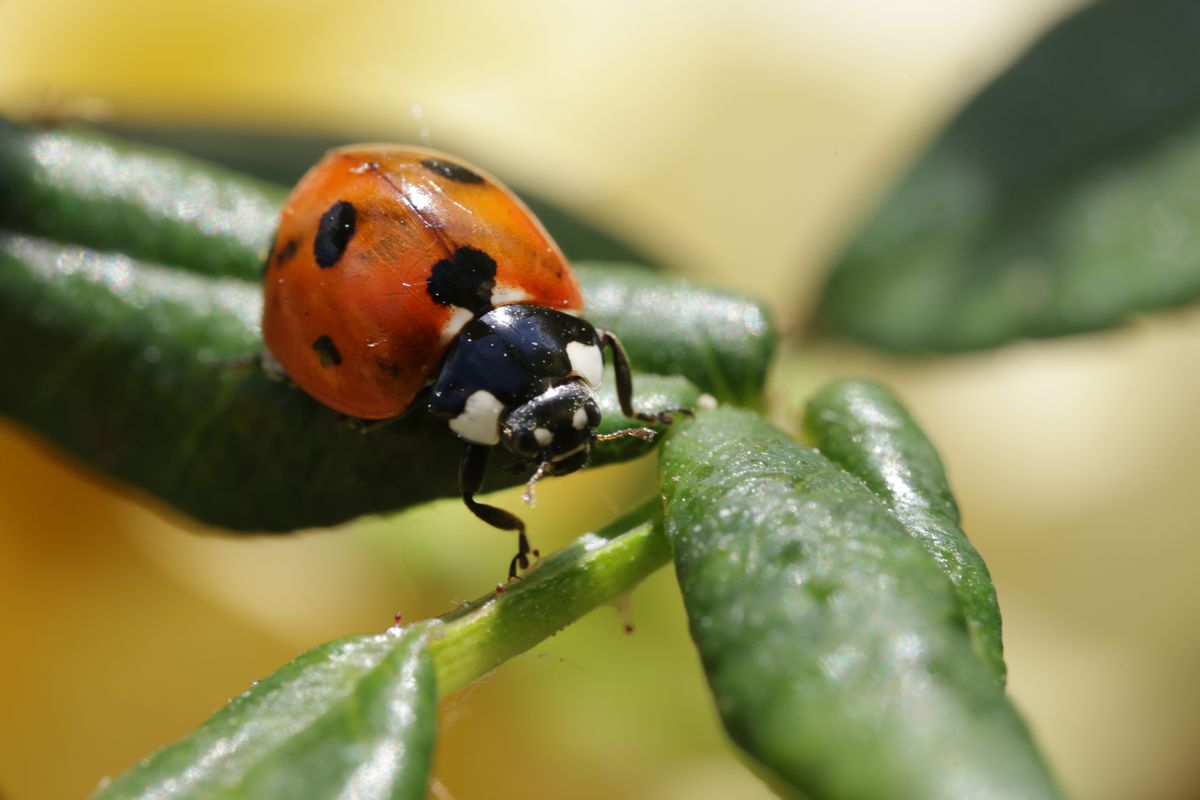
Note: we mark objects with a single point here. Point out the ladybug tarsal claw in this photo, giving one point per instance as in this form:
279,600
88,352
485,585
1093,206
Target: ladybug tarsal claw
368,425
521,560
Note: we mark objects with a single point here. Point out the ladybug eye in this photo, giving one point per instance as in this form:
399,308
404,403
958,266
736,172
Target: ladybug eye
526,441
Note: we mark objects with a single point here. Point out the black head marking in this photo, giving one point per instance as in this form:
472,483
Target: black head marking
327,351
448,169
334,233
466,280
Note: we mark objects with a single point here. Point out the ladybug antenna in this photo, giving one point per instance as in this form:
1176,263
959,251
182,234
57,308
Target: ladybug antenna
645,434
540,473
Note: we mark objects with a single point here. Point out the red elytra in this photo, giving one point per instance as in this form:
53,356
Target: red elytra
347,283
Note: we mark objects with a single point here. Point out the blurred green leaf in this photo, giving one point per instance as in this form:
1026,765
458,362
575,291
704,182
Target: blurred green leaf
1062,199
352,718
863,428
150,374
835,647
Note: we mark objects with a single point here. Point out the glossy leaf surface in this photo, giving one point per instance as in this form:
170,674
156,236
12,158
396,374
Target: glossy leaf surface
863,428
151,375
835,647
352,718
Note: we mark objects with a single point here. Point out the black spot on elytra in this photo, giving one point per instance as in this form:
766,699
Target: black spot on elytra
448,169
466,280
327,351
334,233
286,253
389,368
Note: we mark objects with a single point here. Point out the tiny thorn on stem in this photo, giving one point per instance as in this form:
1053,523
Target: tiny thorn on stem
623,603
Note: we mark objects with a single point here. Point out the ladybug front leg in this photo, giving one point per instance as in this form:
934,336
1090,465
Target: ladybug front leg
625,384
470,480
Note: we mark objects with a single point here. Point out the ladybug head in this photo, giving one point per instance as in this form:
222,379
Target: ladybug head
555,428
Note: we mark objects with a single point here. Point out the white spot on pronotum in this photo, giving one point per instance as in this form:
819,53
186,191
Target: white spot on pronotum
706,402
586,361
579,421
458,317
479,421
506,295
544,436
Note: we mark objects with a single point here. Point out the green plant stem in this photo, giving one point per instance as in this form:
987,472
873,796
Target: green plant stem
470,642
337,698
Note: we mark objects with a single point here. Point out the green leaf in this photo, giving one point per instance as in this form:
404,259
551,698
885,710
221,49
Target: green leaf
282,159
865,430
836,649
1061,200
150,374
356,717
719,341
82,187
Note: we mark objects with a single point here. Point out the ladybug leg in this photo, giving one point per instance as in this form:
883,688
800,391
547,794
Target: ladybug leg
271,366
625,384
368,425
470,480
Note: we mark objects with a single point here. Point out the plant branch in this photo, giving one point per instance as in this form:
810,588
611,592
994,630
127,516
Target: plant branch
470,642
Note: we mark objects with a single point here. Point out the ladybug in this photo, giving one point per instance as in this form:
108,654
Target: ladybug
401,277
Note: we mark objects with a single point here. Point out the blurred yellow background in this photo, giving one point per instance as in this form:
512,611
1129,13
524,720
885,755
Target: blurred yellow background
736,145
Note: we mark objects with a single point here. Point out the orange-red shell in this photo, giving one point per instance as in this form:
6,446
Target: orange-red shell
364,334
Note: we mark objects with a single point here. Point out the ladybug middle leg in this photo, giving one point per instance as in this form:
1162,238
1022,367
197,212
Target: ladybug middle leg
368,425
625,384
470,480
